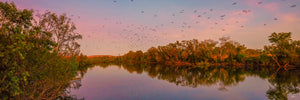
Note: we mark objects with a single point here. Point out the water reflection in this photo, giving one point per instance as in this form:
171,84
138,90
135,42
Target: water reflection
283,85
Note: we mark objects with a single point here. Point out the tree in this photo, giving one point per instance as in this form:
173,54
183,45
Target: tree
283,49
139,55
63,32
222,48
29,69
15,31
206,49
152,54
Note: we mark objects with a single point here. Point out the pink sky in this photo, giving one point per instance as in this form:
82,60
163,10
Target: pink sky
110,28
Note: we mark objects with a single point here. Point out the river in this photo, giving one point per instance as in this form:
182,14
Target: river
142,82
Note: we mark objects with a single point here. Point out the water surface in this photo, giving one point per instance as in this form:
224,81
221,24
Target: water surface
128,82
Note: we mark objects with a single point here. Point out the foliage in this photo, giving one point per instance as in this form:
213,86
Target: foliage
63,32
283,49
30,67
193,52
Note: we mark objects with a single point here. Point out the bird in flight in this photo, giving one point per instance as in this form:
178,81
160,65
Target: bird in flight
195,11
292,6
182,11
259,2
246,11
234,3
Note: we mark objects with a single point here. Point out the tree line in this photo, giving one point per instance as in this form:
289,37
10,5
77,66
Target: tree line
37,55
283,52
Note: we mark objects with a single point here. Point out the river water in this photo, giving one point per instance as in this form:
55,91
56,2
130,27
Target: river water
142,82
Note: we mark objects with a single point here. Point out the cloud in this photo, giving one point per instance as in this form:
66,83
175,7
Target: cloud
271,7
290,17
268,6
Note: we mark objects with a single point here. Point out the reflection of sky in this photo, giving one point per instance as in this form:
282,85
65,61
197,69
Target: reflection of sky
114,83
115,28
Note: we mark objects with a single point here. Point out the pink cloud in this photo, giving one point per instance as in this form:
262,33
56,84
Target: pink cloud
252,3
271,7
290,17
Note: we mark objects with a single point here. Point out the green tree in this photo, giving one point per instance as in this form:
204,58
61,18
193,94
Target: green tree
29,69
283,49
15,32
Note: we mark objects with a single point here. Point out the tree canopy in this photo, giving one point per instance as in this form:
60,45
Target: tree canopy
32,57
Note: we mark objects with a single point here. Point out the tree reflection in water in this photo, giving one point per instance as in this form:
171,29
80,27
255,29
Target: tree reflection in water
283,83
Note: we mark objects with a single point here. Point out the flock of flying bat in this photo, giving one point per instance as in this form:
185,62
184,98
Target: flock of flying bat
139,34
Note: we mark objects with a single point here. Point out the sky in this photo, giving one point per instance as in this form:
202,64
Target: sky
114,27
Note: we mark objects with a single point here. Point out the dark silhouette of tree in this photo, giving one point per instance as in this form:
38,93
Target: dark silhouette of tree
62,30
